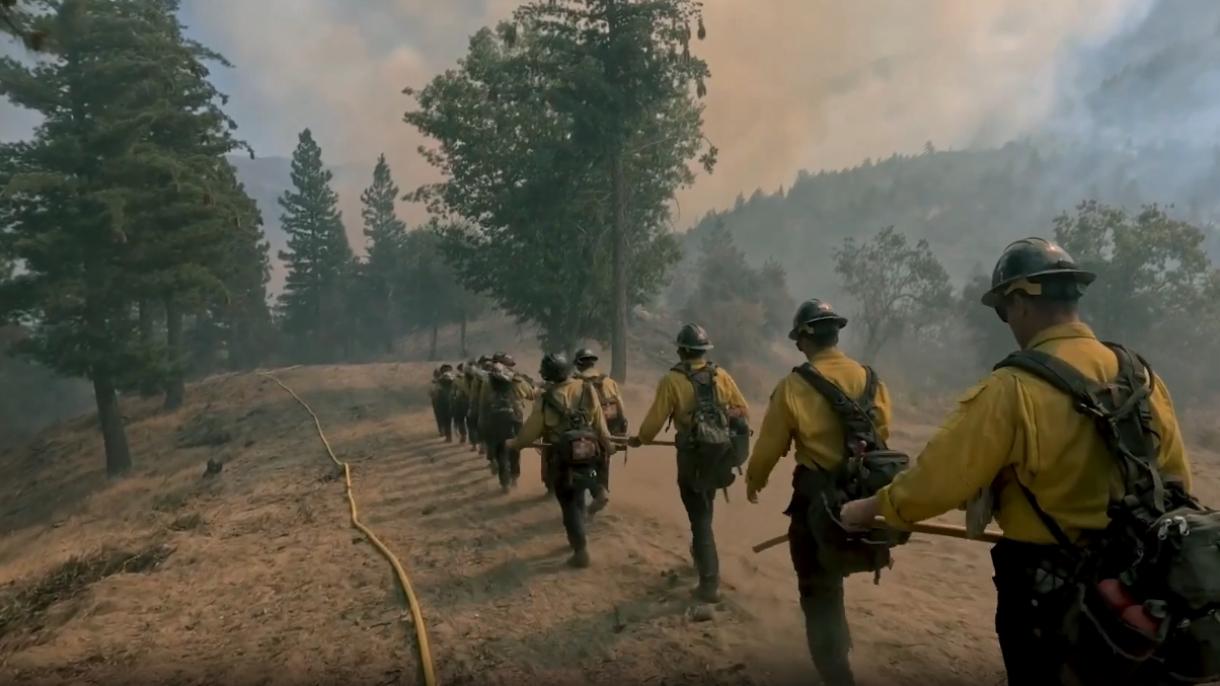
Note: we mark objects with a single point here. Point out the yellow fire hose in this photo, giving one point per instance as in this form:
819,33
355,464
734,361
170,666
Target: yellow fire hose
421,632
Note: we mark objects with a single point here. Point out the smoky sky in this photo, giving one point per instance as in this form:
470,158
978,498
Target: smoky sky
816,84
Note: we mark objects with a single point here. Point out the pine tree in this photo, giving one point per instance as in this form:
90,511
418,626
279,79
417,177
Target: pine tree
319,258
384,270
64,217
179,196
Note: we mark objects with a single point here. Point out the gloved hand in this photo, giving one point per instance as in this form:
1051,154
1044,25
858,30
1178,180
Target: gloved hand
634,442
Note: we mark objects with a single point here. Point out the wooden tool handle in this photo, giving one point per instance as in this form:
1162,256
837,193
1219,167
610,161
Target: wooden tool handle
948,530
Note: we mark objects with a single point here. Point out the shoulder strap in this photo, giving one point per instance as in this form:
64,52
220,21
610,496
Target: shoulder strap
1120,410
704,382
856,419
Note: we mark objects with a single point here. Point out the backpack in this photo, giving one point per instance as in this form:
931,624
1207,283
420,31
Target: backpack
710,452
612,409
576,453
504,411
868,465
1148,585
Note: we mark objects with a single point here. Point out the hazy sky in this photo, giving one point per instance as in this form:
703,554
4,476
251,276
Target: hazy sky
795,83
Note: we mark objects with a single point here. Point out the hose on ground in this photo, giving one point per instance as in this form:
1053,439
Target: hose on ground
421,632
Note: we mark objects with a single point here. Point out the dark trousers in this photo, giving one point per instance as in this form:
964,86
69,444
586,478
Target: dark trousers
572,503
507,462
442,408
821,591
1034,599
472,427
459,410
699,509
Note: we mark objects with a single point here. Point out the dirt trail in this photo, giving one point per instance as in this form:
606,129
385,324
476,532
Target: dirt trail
271,586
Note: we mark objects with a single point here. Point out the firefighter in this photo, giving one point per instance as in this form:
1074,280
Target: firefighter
696,388
798,413
1044,457
569,418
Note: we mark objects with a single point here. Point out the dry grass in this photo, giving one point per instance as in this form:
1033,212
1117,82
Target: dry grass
27,601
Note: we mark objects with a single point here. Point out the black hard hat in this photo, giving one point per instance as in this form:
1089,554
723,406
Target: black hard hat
811,312
504,359
1028,264
555,367
693,337
584,356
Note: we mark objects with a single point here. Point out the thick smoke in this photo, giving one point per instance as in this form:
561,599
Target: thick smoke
796,83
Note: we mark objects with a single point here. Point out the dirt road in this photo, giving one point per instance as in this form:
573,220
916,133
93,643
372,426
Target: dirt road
270,586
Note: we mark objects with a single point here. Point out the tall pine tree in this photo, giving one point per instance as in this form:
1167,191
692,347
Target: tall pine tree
65,218
384,270
180,198
319,258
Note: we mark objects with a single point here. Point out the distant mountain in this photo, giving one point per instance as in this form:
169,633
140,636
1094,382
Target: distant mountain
967,204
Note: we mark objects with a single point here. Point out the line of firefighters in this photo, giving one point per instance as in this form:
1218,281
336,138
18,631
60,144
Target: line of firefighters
1071,445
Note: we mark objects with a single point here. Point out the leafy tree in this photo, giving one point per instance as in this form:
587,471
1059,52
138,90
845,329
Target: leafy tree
741,307
778,304
319,258
434,295
384,269
627,83
534,195
1149,265
1156,288
895,285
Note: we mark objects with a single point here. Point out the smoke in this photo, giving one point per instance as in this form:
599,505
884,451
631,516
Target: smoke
817,84
825,84
795,83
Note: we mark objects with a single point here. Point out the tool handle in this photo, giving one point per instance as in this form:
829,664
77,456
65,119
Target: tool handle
947,530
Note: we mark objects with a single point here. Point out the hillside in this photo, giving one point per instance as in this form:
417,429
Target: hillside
968,204
253,576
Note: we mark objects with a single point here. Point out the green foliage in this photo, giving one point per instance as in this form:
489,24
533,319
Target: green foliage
383,274
529,130
123,195
314,303
1156,288
968,204
741,307
897,287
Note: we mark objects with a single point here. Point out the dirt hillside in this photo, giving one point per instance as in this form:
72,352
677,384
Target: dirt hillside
254,576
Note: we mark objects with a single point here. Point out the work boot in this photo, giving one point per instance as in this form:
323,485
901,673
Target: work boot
708,591
579,559
600,501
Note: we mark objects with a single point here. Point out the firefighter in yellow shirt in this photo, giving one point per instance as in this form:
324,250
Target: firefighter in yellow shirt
461,401
568,417
503,401
1024,439
677,400
798,413
611,399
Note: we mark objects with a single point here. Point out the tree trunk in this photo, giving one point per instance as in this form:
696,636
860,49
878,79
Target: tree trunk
463,335
432,348
391,322
175,382
618,335
114,436
148,333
